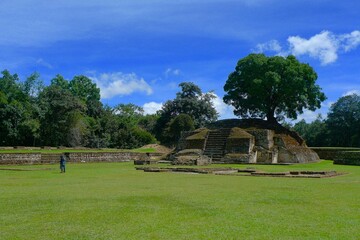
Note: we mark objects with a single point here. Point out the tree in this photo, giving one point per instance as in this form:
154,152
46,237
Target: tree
18,109
190,101
60,81
272,87
129,113
87,91
314,133
33,85
148,122
344,122
62,117
180,123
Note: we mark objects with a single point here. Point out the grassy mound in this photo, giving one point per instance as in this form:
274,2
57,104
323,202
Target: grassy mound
239,133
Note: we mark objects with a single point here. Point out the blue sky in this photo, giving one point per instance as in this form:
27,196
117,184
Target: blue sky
139,51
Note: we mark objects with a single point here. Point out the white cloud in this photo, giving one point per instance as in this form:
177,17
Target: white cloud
272,46
324,46
120,84
351,41
351,92
225,111
310,116
42,62
152,107
172,72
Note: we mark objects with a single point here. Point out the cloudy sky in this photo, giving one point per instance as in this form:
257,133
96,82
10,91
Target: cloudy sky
138,51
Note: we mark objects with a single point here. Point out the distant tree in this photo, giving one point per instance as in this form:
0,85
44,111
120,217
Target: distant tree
190,101
60,81
148,122
314,133
18,109
343,122
272,87
87,91
120,127
62,113
129,113
33,85
180,123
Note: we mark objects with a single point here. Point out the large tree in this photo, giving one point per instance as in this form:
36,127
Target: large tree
62,117
87,91
19,123
190,101
272,87
343,122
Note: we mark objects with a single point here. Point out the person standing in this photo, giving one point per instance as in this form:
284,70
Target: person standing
62,164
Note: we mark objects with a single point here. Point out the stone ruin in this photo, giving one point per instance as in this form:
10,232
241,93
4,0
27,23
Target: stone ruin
242,141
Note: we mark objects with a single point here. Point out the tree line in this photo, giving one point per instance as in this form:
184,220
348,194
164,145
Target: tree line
341,127
70,113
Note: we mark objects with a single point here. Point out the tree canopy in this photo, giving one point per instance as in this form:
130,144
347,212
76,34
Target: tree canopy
272,87
190,101
344,121
67,113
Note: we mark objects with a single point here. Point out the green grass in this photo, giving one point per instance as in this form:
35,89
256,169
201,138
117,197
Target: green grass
114,201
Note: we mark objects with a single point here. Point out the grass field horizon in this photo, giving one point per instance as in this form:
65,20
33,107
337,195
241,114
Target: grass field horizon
114,201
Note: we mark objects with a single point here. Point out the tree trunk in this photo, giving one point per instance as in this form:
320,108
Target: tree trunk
270,117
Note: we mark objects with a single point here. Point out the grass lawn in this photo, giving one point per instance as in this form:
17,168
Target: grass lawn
114,201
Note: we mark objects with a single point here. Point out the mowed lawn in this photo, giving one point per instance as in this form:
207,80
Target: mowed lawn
114,201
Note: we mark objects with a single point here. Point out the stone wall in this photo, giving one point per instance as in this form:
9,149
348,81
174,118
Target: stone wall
348,158
16,158
329,153
182,141
195,144
263,137
240,158
38,158
103,157
239,145
297,154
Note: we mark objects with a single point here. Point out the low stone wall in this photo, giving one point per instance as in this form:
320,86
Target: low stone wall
104,157
16,158
38,158
331,153
348,158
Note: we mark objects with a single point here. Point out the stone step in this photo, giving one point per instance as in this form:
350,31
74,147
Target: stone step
213,154
213,151
214,147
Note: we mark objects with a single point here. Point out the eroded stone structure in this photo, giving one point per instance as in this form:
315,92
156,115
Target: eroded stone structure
243,141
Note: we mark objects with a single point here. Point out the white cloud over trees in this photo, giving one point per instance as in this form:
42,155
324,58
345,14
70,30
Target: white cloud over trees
152,107
325,46
120,84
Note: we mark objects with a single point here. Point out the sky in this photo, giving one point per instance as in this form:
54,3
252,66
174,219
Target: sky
139,51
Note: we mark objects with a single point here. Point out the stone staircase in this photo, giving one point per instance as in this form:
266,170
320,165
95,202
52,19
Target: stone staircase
215,143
